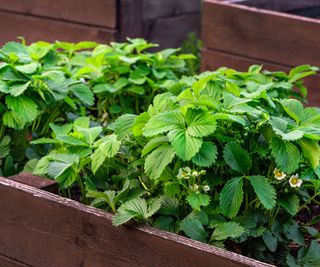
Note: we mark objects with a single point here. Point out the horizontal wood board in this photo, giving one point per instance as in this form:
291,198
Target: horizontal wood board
93,12
41,229
35,29
212,60
261,34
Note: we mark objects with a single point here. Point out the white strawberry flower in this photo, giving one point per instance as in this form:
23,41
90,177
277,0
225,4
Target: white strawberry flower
278,174
294,181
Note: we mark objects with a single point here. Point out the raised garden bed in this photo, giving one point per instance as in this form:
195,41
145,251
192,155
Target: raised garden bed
38,228
100,20
277,34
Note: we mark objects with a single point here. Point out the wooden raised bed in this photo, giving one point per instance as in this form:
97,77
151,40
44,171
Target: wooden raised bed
239,33
38,228
163,22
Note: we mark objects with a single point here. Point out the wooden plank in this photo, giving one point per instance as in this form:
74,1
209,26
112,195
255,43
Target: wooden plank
278,5
35,29
154,9
36,181
7,262
93,12
212,60
171,31
129,19
270,36
42,229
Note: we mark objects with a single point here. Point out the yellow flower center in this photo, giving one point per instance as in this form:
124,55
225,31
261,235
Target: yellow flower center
278,173
294,180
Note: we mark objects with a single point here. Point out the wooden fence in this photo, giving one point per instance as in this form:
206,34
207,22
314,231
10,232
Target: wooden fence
166,22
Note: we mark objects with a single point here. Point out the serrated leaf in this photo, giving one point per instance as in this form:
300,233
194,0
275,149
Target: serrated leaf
23,107
83,92
194,229
290,202
71,140
12,120
270,240
207,155
28,68
19,88
108,148
200,123
158,160
163,122
185,146
197,200
264,190
236,157
227,230
154,143
311,151
231,197
61,129
5,146
123,125
294,108
90,134
286,154
139,123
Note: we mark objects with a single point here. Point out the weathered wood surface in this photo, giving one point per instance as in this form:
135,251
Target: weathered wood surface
261,34
93,12
36,181
42,229
278,5
7,262
35,29
212,60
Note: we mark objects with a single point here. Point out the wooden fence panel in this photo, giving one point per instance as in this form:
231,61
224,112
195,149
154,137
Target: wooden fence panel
35,29
92,12
42,229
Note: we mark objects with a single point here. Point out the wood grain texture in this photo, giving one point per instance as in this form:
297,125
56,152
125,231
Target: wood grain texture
66,233
171,31
266,35
36,181
212,60
7,262
93,12
35,29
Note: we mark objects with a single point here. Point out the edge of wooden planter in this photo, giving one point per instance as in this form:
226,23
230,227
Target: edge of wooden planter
35,224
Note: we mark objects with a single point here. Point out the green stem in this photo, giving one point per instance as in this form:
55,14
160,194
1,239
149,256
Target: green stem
309,201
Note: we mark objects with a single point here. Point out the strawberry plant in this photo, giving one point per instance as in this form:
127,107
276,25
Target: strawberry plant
225,157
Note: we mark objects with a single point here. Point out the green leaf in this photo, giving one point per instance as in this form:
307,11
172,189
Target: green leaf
286,154
264,190
108,148
28,68
158,160
290,202
19,88
163,122
171,189
83,92
294,108
154,143
200,123
5,146
139,123
23,108
311,257
311,151
83,122
194,229
227,230
12,120
136,208
123,125
196,200
236,157
185,146
270,240
231,197
90,134
4,88
61,129
71,140
207,155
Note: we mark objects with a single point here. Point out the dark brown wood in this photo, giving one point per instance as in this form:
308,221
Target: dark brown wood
261,34
212,60
35,29
7,262
93,12
36,181
41,229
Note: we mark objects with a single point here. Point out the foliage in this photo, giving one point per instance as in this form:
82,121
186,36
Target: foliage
224,157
